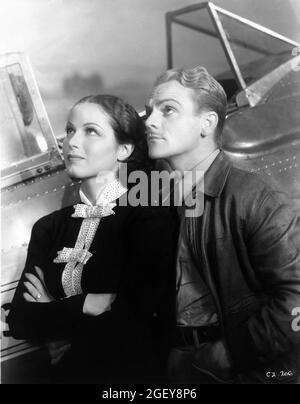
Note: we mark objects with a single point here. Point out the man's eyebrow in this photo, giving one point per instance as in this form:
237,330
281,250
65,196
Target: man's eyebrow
149,106
159,102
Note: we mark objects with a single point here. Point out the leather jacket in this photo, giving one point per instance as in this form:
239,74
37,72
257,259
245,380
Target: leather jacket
247,244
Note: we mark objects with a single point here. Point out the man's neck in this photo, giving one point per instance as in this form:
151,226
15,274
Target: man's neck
187,161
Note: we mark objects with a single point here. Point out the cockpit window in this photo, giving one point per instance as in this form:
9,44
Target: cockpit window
28,146
21,133
257,51
236,51
195,41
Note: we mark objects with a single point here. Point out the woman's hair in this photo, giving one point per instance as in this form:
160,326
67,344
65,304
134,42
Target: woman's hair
128,127
209,94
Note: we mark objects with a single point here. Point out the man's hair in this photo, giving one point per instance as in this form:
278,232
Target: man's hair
210,95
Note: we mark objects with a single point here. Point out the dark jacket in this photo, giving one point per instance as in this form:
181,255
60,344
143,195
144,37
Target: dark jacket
247,244
133,254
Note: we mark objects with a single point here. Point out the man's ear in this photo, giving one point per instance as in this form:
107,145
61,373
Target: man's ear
125,150
210,121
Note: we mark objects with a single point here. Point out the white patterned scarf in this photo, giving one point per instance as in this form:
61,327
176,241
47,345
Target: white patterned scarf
75,258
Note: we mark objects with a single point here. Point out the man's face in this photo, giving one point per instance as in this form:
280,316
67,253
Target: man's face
173,124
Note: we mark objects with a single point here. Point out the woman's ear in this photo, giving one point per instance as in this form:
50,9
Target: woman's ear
125,150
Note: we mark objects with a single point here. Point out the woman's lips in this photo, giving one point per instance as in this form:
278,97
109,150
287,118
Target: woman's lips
74,157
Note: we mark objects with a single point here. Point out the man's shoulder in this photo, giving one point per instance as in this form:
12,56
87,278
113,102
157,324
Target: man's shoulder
252,190
240,180
261,203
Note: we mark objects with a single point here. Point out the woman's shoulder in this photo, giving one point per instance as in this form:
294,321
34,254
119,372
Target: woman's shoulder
53,218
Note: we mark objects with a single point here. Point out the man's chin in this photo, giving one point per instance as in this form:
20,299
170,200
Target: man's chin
157,155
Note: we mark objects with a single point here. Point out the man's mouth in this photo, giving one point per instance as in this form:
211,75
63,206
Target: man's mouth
152,136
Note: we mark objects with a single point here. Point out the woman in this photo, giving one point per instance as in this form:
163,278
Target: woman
97,279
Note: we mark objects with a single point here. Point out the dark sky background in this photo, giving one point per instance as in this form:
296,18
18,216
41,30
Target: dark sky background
117,46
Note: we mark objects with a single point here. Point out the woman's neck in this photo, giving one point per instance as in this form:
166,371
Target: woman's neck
93,187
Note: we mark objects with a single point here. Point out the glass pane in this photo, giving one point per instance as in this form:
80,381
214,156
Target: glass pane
257,53
20,132
199,20
192,48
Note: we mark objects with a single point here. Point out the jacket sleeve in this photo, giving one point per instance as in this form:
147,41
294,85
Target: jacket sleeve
273,243
33,320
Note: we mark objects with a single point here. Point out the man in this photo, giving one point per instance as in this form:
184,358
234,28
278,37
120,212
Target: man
238,260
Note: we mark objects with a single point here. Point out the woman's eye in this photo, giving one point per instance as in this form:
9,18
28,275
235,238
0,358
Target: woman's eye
69,131
91,131
148,111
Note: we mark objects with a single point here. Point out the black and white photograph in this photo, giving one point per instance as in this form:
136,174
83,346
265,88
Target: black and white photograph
150,194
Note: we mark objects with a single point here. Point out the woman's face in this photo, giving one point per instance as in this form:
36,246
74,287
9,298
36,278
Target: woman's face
90,147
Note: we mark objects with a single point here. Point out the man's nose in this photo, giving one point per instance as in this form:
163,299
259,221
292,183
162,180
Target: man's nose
152,121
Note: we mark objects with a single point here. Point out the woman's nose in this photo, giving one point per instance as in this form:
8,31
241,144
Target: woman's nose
74,140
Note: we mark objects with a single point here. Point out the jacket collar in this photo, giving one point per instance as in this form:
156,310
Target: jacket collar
216,175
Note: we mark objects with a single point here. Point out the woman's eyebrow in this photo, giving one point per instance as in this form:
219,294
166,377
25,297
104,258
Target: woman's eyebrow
92,123
69,123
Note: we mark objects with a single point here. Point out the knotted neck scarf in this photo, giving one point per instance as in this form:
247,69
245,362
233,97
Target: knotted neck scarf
75,258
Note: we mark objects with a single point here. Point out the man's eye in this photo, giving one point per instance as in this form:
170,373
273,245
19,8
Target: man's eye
168,110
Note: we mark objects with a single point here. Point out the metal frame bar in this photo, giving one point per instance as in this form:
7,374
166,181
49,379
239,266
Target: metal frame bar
188,9
219,29
209,4
262,86
227,48
169,41
213,11
210,33
256,26
169,19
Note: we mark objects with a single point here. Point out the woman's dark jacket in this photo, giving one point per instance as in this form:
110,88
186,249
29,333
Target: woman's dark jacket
133,256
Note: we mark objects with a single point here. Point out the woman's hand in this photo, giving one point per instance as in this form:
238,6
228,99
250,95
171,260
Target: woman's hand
98,303
57,349
36,288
